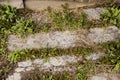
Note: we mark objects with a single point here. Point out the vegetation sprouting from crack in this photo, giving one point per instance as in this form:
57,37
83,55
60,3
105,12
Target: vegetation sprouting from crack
111,16
79,74
11,23
20,55
67,19
112,57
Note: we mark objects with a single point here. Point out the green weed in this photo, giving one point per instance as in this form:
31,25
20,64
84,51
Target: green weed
10,22
15,56
22,27
112,57
111,15
7,17
20,55
7,13
81,73
62,20
67,19
117,66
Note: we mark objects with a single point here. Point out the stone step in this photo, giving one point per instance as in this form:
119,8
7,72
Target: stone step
64,39
52,64
14,3
106,76
93,13
41,5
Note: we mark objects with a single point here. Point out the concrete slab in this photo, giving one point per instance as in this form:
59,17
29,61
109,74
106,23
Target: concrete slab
14,3
64,39
41,5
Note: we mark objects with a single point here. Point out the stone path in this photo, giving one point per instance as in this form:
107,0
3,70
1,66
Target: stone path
14,3
64,39
106,76
93,13
52,64
41,5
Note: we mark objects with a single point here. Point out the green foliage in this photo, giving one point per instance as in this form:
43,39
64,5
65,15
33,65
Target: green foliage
7,13
81,73
112,50
20,55
4,31
117,66
5,69
3,42
62,20
22,26
10,23
7,18
15,56
67,19
111,15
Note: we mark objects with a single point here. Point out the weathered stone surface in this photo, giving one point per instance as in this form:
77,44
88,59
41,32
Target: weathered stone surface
43,40
14,3
19,70
15,76
106,76
64,39
56,61
25,64
95,56
29,68
99,78
93,13
38,61
99,35
94,1
10,78
54,70
53,64
41,5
